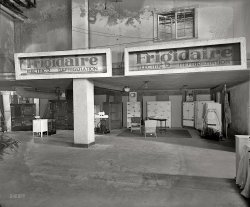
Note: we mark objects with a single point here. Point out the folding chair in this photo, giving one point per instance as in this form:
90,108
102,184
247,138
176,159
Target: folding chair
135,124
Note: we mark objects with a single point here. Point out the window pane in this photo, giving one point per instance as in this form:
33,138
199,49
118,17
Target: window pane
189,33
185,23
166,26
182,19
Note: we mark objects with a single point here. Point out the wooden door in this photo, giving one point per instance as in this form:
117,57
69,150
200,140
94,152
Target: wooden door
124,110
116,115
176,109
114,110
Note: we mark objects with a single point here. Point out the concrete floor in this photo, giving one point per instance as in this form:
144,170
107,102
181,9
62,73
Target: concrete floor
119,171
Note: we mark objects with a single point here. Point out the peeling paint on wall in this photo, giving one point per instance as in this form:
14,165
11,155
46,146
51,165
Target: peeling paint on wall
48,27
240,108
6,44
132,23
115,13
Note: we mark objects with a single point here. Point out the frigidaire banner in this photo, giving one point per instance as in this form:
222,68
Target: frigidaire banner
144,60
63,64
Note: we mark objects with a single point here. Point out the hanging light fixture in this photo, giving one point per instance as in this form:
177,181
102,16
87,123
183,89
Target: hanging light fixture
145,85
126,89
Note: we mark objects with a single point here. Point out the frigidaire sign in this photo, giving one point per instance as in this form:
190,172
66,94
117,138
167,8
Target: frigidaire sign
63,64
223,54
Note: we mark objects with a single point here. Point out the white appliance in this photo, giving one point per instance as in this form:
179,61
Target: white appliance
40,126
133,110
199,112
188,114
214,120
132,97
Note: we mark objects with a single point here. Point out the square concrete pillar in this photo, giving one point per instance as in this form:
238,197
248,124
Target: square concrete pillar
6,109
83,99
37,103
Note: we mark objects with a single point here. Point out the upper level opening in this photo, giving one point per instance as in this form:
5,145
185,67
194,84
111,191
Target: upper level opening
176,24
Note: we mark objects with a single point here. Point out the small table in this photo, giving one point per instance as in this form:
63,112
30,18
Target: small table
161,120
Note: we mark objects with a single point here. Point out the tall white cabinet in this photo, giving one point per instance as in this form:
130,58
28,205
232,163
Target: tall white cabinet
161,110
133,110
188,114
214,119
199,112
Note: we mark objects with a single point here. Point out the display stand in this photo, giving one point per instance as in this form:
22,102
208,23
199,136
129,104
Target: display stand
102,124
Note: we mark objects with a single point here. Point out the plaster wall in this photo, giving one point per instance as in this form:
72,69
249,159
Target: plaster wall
47,29
99,100
120,24
240,108
132,23
6,45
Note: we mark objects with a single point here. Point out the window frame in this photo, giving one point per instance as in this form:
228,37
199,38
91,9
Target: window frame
176,38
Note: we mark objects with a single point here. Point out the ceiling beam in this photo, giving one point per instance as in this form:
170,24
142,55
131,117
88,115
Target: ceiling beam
13,14
108,86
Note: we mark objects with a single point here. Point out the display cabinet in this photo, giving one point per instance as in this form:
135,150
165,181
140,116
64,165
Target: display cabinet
22,116
133,110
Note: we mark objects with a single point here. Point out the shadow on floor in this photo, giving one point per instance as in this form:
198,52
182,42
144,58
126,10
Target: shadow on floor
194,182
179,137
177,133
222,185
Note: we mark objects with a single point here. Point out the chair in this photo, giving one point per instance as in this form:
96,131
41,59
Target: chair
150,127
135,124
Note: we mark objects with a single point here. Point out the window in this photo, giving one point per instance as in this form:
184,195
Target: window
177,24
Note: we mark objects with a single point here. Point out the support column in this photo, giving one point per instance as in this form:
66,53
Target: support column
80,40
6,109
83,102
37,102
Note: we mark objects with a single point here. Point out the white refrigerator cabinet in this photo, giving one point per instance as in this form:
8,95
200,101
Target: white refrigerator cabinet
188,114
199,112
133,110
